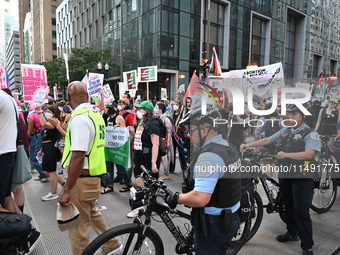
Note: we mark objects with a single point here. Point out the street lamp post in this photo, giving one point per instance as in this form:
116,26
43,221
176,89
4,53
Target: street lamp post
105,71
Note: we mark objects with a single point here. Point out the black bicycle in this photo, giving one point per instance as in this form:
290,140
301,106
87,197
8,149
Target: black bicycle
275,200
325,187
139,238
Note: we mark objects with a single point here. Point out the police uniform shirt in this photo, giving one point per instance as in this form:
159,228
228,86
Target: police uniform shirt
312,140
206,173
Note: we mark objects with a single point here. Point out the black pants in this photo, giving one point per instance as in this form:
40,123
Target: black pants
145,160
297,196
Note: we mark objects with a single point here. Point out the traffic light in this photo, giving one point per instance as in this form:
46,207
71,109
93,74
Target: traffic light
205,67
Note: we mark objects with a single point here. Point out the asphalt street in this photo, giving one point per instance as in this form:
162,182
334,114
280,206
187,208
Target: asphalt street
326,227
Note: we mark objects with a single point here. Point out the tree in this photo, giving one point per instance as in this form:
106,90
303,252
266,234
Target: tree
80,60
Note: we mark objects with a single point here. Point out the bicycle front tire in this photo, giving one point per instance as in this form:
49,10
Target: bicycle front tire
256,221
127,235
324,196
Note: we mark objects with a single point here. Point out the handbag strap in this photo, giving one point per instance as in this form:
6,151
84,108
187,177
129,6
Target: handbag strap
19,136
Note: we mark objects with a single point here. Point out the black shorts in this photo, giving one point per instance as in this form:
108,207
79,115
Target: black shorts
145,160
6,171
51,156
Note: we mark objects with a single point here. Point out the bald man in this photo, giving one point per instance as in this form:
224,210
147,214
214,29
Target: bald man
85,159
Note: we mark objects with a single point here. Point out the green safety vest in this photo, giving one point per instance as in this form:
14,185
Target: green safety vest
96,156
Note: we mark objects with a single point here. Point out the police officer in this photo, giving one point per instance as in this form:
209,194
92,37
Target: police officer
296,148
215,198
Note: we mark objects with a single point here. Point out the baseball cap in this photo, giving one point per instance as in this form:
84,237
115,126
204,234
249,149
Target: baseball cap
334,100
111,105
146,104
67,217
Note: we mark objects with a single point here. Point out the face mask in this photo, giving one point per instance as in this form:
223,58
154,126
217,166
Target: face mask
155,112
175,107
111,111
48,115
139,115
120,108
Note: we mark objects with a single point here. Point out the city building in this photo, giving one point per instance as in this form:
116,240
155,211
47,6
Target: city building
41,36
177,35
13,63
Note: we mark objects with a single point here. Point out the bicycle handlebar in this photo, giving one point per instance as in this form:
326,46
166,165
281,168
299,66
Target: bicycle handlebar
151,181
250,153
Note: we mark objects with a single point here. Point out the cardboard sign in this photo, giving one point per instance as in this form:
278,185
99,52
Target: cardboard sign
146,74
34,79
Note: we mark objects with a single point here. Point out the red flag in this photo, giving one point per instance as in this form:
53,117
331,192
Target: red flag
193,87
215,65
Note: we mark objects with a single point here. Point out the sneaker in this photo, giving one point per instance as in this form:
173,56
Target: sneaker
286,237
38,179
50,196
164,177
44,179
33,240
307,252
134,213
105,250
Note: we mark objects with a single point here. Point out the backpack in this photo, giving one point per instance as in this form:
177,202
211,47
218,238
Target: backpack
270,128
162,148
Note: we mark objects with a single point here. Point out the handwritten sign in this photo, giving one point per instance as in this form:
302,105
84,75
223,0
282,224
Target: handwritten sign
130,80
34,79
107,94
148,73
3,83
39,97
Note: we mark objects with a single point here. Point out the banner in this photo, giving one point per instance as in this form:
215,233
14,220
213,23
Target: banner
148,73
260,79
130,80
107,94
95,85
117,146
34,82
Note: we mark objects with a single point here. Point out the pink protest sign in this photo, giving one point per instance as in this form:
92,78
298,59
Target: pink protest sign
34,80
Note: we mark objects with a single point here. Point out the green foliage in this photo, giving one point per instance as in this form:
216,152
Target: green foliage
80,60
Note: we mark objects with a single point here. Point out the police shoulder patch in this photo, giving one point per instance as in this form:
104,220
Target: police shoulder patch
204,168
314,136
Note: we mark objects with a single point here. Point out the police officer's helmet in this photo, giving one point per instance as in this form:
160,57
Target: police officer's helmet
196,117
294,108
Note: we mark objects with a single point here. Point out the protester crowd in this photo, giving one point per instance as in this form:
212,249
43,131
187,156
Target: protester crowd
67,131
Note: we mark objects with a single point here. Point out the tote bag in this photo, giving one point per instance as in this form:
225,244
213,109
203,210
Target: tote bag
22,167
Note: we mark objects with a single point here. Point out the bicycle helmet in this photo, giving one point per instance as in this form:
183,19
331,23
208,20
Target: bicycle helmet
195,116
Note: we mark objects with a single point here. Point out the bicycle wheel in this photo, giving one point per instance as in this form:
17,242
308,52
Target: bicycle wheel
240,238
127,235
256,222
325,190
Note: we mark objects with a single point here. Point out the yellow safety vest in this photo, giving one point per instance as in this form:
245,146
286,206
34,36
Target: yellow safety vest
96,156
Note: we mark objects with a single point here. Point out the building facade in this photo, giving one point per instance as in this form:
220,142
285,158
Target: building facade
176,35
43,30
13,63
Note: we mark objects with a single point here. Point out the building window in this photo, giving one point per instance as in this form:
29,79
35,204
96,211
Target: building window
54,56
290,47
333,67
54,22
54,34
54,46
259,41
215,32
53,9
316,66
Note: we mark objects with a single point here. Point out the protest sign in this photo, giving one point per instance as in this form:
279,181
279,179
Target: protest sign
117,146
95,85
34,82
130,80
107,94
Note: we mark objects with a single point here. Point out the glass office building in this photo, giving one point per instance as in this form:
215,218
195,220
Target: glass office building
176,35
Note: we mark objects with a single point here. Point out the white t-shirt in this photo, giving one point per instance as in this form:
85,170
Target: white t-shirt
8,126
82,132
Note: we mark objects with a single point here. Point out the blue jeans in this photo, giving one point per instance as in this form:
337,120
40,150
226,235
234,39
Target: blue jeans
182,159
121,170
35,146
217,241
